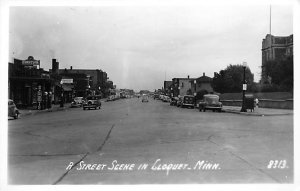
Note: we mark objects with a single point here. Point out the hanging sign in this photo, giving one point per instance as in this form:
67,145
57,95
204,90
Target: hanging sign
66,81
30,62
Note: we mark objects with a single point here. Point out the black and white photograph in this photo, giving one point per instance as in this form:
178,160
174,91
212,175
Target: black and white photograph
130,93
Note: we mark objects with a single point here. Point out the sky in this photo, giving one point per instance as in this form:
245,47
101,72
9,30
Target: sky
141,46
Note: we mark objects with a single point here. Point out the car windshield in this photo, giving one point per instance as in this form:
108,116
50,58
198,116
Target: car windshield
188,98
93,97
211,99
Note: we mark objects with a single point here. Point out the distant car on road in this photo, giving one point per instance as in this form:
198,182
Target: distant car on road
77,102
12,109
188,101
210,102
92,102
145,98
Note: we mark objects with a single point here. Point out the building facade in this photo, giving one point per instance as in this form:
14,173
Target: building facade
182,86
168,86
97,79
202,84
29,85
275,48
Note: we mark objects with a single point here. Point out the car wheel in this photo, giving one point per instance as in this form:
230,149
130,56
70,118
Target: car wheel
220,110
204,110
83,108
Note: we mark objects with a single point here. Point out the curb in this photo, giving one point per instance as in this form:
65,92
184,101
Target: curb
35,112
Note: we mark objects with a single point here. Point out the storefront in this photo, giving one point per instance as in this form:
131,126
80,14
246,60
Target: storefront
29,85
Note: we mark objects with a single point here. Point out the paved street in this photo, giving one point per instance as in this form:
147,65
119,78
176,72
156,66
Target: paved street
130,142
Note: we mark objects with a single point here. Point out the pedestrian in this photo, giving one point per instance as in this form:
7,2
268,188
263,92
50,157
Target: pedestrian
256,102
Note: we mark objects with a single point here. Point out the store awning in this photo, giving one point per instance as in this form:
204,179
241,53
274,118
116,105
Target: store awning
67,87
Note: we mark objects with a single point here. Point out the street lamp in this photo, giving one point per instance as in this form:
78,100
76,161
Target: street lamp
62,94
195,82
243,109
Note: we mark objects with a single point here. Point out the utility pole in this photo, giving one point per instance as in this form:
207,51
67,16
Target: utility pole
270,19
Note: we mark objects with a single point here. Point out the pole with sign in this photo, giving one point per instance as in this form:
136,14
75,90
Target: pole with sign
61,94
39,97
243,109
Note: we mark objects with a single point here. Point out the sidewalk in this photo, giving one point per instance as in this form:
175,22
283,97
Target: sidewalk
27,112
258,111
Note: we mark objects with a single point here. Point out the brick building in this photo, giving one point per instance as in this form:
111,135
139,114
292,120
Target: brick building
182,86
28,84
97,78
203,83
275,48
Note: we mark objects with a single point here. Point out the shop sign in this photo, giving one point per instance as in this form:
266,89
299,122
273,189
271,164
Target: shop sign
66,81
30,62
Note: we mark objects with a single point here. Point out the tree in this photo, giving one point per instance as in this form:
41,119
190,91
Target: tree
281,73
231,79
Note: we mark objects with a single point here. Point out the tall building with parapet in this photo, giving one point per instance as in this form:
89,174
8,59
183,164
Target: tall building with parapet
275,48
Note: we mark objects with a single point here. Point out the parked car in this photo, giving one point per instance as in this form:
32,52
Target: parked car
179,101
166,99
188,101
156,96
92,102
210,102
77,102
12,109
145,98
174,101
161,97
111,98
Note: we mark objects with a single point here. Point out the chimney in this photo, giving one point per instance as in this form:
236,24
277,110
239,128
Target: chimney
55,66
71,67
203,73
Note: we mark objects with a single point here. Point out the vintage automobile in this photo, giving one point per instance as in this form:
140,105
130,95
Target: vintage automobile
77,102
161,97
179,101
145,98
174,101
166,98
188,101
12,109
92,102
111,98
210,102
